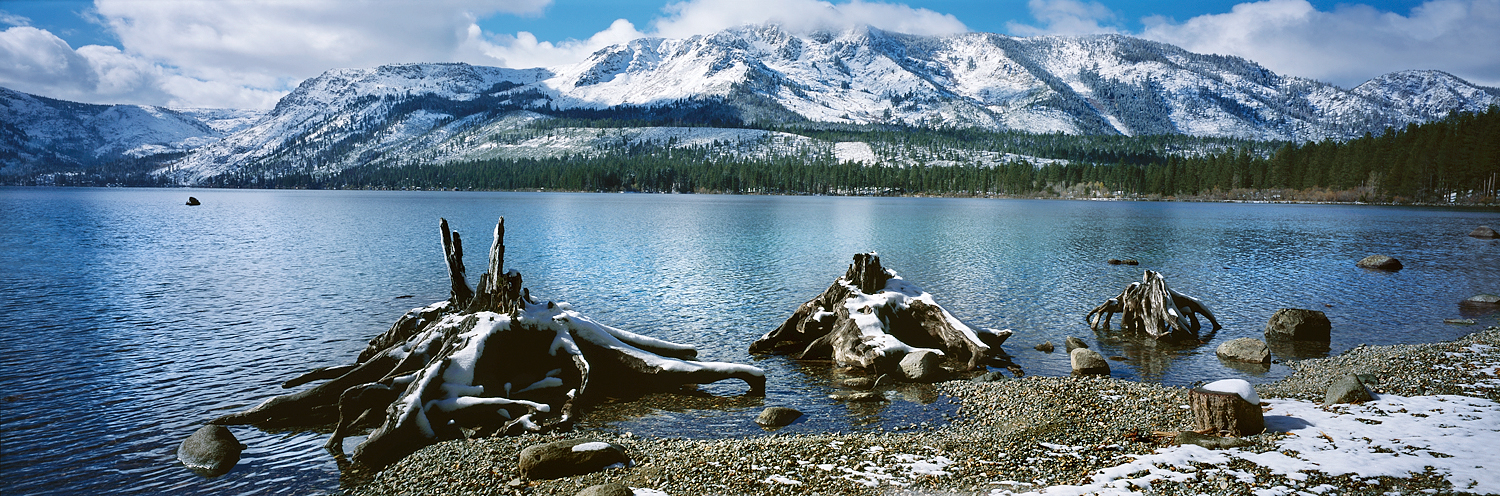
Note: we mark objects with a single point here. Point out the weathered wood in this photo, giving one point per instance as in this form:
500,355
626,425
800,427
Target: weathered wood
1153,308
1216,412
453,256
482,363
829,326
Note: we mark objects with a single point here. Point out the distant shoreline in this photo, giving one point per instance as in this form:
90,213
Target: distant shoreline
1482,206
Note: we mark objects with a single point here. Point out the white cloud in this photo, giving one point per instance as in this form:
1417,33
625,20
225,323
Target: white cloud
10,19
1065,17
1351,43
699,17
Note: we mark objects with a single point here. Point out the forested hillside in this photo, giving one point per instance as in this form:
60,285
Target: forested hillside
1455,160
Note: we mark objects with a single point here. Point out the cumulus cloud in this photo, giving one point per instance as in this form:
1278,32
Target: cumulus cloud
698,17
1351,43
240,53
1065,17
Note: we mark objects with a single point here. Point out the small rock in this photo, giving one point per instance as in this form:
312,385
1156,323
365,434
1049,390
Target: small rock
923,366
864,396
1348,389
1045,347
1298,324
1073,343
1245,350
858,382
210,451
991,376
1088,362
1210,442
193,201
1460,321
1380,262
1126,261
777,416
607,489
1484,232
571,457
1483,299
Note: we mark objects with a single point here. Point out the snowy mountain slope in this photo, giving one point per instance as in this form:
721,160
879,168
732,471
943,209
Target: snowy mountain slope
1088,85
42,133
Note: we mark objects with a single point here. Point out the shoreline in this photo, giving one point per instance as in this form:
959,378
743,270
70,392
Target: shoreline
1476,206
1070,435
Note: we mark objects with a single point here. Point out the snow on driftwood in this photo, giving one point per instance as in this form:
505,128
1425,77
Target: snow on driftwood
491,361
871,318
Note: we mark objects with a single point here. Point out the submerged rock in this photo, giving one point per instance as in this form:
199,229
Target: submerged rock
1483,299
1484,232
210,451
1380,262
1045,347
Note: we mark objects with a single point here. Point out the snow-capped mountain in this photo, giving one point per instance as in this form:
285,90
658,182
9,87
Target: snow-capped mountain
59,135
1106,84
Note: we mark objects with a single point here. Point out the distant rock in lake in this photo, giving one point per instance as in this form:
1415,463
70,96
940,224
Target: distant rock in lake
1380,262
1484,232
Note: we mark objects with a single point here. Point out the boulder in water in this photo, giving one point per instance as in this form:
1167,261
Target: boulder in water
1484,232
210,451
1296,324
1380,262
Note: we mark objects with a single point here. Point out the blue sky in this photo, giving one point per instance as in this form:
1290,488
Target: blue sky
248,53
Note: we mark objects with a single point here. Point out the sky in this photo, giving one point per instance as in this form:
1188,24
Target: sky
250,53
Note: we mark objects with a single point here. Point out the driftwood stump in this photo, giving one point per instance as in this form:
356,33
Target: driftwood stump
1215,412
1153,308
871,318
489,362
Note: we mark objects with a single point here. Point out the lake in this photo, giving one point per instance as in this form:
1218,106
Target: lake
131,319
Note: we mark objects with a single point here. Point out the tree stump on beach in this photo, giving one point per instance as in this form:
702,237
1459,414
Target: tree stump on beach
1216,412
871,318
491,361
1153,308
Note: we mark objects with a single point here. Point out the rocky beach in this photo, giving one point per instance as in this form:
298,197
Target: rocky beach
1430,429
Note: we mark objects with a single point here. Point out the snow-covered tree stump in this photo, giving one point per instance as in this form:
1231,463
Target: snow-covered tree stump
1153,308
490,361
1227,406
871,318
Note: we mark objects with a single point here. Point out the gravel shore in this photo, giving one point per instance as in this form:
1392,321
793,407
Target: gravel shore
1016,435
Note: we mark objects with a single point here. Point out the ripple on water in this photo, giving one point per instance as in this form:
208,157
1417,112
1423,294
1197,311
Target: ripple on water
132,320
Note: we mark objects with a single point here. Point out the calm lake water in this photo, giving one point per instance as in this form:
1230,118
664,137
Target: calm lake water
130,319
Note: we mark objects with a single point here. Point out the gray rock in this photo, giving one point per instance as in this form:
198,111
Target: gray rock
1484,232
210,451
607,489
991,376
923,366
864,397
1348,389
1483,299
858,382
1380,262
1045,347
571,457
1245,350
777,416
1210,442
1296,324
1074,343
1088,362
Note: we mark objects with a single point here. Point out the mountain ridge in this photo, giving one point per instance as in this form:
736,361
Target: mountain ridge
766,76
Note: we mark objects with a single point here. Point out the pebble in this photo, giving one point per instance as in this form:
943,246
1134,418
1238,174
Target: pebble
1033,432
